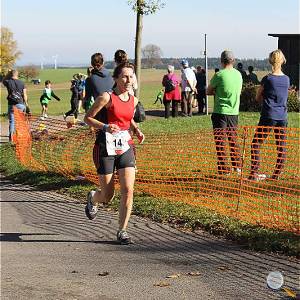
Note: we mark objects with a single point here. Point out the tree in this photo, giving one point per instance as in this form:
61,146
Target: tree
28,72
152,55
142,7
9,50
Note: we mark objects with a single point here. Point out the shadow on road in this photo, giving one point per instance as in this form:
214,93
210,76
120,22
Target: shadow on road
65,220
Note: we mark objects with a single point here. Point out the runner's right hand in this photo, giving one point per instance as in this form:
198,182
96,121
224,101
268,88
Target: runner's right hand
112,128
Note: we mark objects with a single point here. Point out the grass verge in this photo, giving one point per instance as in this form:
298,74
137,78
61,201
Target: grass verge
179,215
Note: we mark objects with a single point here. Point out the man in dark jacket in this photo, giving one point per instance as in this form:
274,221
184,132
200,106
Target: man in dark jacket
17,97
100,81
201,86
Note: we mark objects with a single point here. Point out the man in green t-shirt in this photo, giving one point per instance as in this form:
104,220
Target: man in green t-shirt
226,86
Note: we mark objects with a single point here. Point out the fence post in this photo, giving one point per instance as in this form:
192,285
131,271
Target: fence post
245,135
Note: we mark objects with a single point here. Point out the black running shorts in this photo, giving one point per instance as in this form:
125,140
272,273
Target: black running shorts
106,164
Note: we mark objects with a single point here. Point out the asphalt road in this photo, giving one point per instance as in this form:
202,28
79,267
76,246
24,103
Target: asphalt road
49,250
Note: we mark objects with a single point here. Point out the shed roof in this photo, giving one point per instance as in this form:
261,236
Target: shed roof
290,35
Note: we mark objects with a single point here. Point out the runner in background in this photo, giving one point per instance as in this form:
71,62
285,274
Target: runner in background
121,57
113,149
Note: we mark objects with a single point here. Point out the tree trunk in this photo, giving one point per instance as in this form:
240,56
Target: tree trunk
138,46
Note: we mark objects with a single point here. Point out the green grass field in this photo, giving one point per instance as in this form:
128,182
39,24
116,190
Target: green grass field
254,236
60,78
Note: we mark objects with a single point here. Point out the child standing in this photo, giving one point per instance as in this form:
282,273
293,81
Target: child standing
74,100
159,96
46,97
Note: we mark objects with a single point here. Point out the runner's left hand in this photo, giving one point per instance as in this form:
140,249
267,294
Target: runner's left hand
140,136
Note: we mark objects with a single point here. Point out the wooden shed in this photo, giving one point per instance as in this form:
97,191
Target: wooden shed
289,44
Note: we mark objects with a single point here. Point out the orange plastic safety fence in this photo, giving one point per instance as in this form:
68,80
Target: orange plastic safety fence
251,174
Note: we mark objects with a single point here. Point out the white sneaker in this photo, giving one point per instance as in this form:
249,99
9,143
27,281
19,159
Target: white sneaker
257,177
46,116
238,171
90,209
123,238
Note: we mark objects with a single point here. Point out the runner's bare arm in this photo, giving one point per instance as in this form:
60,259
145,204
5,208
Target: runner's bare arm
25,97
101,101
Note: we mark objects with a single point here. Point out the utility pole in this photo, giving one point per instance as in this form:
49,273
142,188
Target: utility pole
206,71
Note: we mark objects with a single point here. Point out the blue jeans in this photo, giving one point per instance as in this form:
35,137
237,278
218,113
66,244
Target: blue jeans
11,117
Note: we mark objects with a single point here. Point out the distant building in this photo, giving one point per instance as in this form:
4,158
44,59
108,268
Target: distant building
289,44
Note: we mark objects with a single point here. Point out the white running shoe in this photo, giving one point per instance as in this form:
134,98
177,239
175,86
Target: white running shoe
90,209
257,177
123,238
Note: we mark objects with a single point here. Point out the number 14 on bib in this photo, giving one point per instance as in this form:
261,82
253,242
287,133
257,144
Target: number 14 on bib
117,143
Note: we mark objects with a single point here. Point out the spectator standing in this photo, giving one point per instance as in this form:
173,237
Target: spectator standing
101,80
88,99
273,93
159,97
80,82
121,57
201,87
240,68
252,77
74,100
17,97
226,85
172,92
188,88
46,97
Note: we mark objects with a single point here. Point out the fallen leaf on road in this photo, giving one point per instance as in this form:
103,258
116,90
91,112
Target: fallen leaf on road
105,273
193,273
223,268
290,293
162,284
173,276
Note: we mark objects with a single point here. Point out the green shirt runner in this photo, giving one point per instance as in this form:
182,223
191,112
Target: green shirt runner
228,85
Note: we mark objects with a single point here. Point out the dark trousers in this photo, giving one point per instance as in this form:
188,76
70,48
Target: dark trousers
158,99
225,127
201,101
260,135
74,108
186,103
167,105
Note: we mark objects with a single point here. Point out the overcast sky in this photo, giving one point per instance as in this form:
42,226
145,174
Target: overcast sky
75,29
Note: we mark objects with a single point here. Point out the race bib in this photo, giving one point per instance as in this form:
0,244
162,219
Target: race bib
117,143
